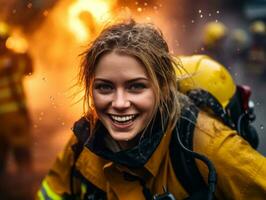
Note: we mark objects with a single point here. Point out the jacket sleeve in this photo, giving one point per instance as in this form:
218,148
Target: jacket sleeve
241,170
56,184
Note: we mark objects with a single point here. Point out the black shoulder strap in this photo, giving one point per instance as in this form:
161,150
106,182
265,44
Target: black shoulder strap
202,98
81,131
184,164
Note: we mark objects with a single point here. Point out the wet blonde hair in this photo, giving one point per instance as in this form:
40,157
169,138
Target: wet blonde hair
146,43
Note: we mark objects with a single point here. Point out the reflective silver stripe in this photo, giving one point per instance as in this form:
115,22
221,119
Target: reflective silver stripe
48,193
45,195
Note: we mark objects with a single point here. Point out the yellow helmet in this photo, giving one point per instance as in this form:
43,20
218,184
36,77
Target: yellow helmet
4,30
212,32
202,72
258,27
239,36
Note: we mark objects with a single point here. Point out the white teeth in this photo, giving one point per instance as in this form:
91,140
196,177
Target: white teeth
122,118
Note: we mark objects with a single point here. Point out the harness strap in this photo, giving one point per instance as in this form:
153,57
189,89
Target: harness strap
184,165
183,158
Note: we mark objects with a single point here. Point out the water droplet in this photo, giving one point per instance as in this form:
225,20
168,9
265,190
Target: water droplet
261,127
217,11
145,4
192,21
201,16
199,11
210,14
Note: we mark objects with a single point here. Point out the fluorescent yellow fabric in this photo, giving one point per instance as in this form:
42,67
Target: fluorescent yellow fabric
47,193
241,170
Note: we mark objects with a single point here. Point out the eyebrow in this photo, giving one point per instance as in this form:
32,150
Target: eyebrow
129,81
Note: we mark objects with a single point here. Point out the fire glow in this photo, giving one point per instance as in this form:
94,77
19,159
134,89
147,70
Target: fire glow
55,47
85,16
17,43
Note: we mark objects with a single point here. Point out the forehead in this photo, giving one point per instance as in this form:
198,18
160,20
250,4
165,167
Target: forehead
115,65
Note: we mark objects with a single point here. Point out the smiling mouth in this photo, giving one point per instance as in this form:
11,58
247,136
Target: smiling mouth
123,119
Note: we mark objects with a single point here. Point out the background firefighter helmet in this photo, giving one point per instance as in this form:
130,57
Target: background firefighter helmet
258,27
211,86
213,32
240,38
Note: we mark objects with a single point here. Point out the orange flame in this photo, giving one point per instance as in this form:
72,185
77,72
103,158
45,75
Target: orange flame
85,16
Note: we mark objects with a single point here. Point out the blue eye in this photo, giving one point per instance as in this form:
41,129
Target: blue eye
137,86
103,87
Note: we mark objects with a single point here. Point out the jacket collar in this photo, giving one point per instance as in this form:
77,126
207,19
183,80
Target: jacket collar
135,157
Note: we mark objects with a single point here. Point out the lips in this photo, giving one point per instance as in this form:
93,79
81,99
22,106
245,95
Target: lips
122,121
123,118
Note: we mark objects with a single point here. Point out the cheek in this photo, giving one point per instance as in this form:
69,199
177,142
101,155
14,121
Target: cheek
145,102
99,101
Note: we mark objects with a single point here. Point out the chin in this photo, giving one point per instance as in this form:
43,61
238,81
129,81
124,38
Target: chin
122,136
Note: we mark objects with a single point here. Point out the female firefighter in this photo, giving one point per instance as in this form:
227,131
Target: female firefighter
123,147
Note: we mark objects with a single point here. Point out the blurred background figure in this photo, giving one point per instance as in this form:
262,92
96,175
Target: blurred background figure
256,53
237,48
15,137
239,43
213,42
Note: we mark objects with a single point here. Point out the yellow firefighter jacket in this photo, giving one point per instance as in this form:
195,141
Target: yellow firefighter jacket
241,170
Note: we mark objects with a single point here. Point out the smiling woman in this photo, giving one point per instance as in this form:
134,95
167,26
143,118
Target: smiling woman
128,145
123,96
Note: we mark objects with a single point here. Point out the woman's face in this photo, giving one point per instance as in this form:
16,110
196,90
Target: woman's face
123,96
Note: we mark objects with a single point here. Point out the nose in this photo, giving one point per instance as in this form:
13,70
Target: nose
120,100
